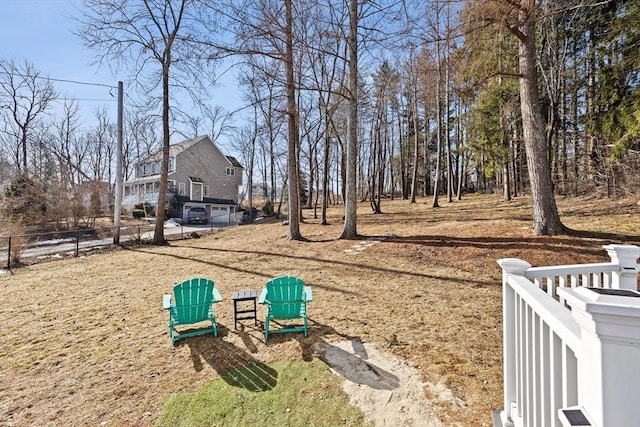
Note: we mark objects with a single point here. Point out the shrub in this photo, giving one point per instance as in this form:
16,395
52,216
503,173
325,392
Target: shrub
147,209
138,213
17,246
267,208
23,200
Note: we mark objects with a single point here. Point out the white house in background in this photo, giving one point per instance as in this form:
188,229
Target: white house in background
199,175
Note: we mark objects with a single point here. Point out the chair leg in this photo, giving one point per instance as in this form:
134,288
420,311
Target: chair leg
172,331
266,329
305,327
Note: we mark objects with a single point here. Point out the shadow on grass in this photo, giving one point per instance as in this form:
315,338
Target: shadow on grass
546,243
236,367
587,242
626,239
353,265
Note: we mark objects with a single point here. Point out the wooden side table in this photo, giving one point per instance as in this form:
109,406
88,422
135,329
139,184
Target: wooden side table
245,313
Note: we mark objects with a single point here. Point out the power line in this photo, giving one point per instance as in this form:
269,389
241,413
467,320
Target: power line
78,82
87,99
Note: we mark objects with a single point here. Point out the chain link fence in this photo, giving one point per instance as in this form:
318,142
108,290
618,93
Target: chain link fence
25,249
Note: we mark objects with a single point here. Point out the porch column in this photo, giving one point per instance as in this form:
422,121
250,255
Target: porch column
516,267
626,256
608,373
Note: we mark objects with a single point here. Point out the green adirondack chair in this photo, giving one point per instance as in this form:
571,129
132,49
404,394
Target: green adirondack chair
194,299
286,298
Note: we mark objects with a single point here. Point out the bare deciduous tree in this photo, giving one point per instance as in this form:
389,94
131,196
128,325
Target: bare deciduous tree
293,143
160,41
25,94
350,229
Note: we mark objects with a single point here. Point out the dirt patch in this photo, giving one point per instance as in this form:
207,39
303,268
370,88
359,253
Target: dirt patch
387,389
85,340
364,245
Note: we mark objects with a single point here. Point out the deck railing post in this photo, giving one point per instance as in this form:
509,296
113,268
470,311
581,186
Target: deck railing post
517,267
626,256
608,374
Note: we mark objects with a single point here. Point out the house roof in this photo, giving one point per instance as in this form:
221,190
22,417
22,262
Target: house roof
234,161
181,146
205,200
175,149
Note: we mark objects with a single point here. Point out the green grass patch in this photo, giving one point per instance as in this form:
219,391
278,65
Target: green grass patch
284,394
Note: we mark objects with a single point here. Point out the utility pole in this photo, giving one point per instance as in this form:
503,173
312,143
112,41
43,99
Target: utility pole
117,206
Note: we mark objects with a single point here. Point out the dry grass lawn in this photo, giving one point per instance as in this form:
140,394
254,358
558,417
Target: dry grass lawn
85,341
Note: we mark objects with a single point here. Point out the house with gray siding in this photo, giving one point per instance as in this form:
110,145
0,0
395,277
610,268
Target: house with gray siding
200,174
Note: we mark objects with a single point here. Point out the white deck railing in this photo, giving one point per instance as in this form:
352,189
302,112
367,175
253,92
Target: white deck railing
572,354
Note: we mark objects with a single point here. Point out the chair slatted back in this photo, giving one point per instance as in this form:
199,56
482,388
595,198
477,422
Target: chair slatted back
285,297
194,298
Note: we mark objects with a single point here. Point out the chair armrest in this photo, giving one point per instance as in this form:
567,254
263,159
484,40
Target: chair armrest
216,296
308,296
263,296
166,301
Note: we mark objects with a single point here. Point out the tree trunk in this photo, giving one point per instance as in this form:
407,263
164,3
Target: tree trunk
325,174
292,145
460,158
447,136
158,236
506,182
23,142
436,176
416,150
251,165
350,227
545,213
515,162
426,166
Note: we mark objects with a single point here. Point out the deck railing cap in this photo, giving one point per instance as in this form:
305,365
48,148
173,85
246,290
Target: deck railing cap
588,301
625,255
633,248
514,265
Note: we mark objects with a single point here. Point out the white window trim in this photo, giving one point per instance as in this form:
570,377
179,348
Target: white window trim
193,184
